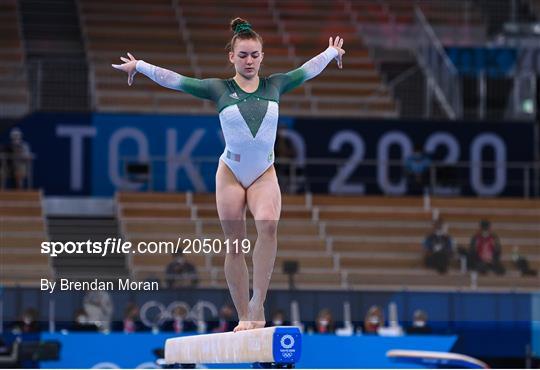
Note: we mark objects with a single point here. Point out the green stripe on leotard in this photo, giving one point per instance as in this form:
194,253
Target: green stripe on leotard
286,82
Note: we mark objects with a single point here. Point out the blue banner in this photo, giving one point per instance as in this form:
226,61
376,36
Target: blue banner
495,62
356,143
174,142
88,154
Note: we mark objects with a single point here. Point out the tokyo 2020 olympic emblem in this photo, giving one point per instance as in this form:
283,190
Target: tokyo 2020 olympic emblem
287,341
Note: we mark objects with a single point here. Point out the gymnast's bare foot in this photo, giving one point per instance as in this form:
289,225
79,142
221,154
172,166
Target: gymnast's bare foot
249,325
255,320
243,325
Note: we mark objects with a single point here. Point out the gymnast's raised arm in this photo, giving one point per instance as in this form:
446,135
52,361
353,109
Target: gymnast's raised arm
290,80
165,77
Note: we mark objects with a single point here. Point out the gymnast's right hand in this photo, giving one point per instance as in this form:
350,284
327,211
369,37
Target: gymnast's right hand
129,66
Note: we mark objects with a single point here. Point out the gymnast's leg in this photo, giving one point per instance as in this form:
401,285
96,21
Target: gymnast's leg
264,202
231,206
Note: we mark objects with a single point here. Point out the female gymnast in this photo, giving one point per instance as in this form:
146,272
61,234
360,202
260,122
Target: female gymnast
248,108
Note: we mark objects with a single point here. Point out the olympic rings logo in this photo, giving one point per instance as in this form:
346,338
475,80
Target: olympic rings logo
154,314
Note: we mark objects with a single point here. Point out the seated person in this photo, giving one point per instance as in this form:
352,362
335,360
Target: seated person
179,323
522,264
278,319
324,324
417,171
438,248
485,251
131,323
180,273
373,320
226,319
28,323
419,323
19,151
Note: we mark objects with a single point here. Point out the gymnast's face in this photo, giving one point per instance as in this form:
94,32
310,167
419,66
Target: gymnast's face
247,56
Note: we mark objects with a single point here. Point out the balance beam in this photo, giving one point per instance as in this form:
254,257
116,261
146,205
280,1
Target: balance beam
279,345
432,359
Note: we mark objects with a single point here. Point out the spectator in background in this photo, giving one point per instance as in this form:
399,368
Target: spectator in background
417,167
179,322
373,320
485,250
180,273
419,323
28,322
522,264
278,319
438,248
19,152
131,323
226,319
324,324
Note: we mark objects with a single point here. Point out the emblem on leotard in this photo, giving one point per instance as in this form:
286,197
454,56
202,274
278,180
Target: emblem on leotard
271,157
234,95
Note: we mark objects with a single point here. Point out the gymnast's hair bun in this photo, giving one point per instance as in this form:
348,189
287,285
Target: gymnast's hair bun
242,31
239,25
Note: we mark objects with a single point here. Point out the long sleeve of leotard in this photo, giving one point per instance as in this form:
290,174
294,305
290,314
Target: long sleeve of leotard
290,80
200,88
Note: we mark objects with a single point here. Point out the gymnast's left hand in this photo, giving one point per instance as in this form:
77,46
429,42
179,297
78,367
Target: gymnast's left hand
129,67
337,44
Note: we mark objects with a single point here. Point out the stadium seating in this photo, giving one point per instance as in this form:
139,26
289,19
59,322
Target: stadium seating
14,93
182,37
148,29
22,229
514,220
190,36
341,241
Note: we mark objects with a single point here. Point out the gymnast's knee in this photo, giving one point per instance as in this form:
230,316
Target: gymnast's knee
267,228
